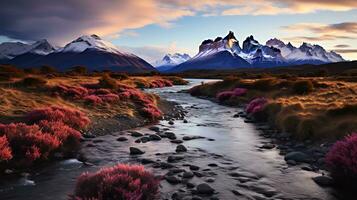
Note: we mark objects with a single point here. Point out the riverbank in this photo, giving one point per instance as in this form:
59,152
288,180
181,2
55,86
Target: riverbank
44,116
302,117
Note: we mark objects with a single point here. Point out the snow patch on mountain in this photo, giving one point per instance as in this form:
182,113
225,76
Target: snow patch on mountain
13,49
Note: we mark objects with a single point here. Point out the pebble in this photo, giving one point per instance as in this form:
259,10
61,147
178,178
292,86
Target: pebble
176,141
170,135
297,156
154,128
171,122
187,175
268,146
174,158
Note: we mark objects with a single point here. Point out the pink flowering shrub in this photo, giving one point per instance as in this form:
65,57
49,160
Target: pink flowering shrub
225,95
71,117
342,159
5,150
159,83
68,136
256,105
121,182
110,97
76,92
93,99
28,141
152,111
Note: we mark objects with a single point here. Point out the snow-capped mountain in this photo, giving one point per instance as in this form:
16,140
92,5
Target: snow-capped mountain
88,50
13,49
171,60
226,53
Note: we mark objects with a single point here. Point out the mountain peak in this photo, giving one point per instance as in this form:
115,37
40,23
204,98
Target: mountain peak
230,36
89,42
274,42
173,59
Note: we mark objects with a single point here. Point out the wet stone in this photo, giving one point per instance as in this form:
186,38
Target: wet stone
154,128
135,151
181,148
145,139
170,135
136,134
155,137
204,188
176,141
187,175
194,167
174,158
122,139
323,181
171,122
172,179
146,161
297,156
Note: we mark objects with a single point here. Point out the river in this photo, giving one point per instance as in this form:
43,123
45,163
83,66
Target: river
229,158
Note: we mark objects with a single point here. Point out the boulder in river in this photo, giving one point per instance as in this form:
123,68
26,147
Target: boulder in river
172,179
135,151
122,139
136,134
323,181
181,148
204,188
155,137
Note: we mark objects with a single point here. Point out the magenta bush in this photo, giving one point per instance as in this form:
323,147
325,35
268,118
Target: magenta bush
76,92
69,116
256,105
121,182
93,99
28,141
225,95
342,159
5,150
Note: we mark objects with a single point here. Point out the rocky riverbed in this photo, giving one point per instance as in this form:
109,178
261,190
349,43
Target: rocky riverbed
206,154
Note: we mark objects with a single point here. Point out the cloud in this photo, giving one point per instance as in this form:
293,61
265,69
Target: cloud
322,32
66,19
342,46
63,20
345,50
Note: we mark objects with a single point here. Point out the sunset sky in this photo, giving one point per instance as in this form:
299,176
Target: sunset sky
151,28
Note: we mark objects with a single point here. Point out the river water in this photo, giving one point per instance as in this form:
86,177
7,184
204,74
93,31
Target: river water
229,158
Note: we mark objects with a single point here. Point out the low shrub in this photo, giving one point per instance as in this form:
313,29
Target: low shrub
69,137
5,150
119,76
76,92
81,70
109,98
71,117
225,95
28,141
256,105
302,87
107,82
159,83
151,111
177,80
93,99
11,71
121,182
48,69
342,160
32,82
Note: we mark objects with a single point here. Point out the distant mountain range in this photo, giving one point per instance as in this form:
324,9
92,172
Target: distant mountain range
88,50
171,60
218,54
226,53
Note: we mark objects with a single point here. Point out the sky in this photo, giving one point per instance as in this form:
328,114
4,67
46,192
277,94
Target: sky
152,28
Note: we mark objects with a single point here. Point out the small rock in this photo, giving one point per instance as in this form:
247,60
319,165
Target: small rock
306,168
297,156
138,141
122,139
204,188
236,116
171,122
145,139
98,141
135,151
194,167
136,134
323,181
181,148
212,165
236,192
174,158
176,141
172,179
185,121
170,135
146,161
190,185
268,146
154,128
187,175
210,180
155,137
